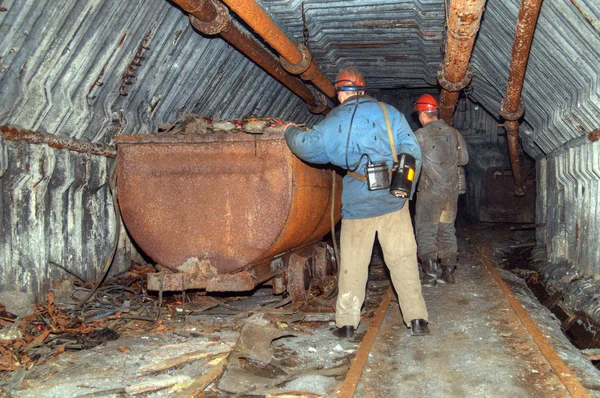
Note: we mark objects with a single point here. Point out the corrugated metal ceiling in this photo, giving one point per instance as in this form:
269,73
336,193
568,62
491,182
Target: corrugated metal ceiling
63,63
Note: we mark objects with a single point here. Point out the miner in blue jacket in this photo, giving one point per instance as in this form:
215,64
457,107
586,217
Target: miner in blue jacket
355,128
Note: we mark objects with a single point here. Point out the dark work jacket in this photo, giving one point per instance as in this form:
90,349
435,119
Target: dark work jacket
326,143
438,143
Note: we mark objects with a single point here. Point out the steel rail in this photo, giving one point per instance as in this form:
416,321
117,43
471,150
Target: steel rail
563,372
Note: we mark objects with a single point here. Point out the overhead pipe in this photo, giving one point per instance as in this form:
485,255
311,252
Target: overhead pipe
294,57
455,72
512,107
211,17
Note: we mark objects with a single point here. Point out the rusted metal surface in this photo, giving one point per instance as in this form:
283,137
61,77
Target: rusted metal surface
512,107
464,17
239,282
212,17
130,72
262,24
232,200
526,23
298,274
594,135
203,276
70,144
512,136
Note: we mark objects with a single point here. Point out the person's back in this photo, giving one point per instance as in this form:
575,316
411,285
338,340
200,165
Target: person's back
443,150
352,133
438,143
358,127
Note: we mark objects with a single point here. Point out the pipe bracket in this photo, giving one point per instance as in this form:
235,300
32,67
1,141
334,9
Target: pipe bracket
320,103
516,115
301,66
454,86
220,24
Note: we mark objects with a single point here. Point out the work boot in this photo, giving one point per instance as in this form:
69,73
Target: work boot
430,269
418,327
345,332
448,274
448,266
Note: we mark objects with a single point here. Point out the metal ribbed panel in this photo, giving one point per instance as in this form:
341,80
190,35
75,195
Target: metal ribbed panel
395,43
572,210
561,83
64,65
56,207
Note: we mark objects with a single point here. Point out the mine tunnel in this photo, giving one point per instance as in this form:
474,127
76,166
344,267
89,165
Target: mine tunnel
162,236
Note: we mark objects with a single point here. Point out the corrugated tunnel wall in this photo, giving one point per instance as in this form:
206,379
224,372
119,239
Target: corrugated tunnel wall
63,72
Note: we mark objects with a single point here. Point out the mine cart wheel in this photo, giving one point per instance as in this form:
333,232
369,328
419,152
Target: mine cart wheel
322,266
299,266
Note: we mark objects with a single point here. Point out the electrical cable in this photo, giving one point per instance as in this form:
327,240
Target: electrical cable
348,138
333,237
113,190
348,142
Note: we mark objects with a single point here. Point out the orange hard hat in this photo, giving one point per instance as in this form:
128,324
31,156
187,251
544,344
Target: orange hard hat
350,79
426,102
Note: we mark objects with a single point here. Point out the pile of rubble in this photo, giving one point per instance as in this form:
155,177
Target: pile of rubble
51,328
196,124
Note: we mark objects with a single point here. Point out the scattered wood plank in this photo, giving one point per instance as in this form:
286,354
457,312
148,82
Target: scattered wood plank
593,354
198,386
180,360
155,384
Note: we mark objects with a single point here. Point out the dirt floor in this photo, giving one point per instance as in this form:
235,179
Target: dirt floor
260,345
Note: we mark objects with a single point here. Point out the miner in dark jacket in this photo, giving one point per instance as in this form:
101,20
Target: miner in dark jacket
444,150
351,132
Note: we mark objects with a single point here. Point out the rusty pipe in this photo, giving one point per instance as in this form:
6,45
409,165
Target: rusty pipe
294,58
70,144
512,107
212,17
455,74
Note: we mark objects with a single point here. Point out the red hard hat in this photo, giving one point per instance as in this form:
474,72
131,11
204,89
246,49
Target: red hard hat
350,79
426,102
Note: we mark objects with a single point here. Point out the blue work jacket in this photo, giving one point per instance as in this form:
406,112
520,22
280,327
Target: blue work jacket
327,143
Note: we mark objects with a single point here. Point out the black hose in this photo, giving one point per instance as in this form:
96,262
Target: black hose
112,184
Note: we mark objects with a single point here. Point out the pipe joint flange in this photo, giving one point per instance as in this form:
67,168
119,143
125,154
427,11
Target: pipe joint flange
301,66
454,86
512,116
520,191
310,76
219,24
320,104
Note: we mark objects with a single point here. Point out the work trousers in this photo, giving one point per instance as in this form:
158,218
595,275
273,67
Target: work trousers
396,236
435,214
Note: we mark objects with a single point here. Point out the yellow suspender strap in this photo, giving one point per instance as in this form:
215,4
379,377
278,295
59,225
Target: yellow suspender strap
390,135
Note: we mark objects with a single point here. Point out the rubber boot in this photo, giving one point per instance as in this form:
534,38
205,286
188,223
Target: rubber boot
345,332
448,267
430,269
418,327
448,274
